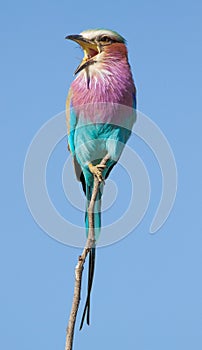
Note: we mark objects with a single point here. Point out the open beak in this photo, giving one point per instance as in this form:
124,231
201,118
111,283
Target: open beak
90,49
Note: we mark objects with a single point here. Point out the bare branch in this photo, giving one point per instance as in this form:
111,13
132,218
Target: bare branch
79,267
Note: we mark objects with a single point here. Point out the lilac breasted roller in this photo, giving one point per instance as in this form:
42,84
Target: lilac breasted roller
100,112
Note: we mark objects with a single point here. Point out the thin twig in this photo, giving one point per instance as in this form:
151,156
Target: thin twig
79,267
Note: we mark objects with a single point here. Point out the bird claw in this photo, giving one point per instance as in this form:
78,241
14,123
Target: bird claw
97,170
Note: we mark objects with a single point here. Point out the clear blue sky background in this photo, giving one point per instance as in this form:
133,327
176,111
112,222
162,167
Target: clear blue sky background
148,290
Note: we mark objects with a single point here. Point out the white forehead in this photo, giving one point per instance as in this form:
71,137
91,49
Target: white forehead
93,33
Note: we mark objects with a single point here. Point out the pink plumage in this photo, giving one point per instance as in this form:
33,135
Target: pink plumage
112,83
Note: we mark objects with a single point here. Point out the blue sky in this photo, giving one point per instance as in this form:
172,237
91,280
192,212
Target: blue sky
147,290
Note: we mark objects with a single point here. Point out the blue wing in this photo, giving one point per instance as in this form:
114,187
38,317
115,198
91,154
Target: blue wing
71,120
134,100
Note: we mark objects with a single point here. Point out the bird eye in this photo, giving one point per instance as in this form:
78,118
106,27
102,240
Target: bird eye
106,39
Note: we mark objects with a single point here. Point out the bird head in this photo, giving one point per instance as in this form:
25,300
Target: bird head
95,43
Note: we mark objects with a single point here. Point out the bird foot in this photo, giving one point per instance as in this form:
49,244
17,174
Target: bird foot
97,170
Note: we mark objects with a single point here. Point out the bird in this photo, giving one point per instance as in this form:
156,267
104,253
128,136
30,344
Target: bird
100,113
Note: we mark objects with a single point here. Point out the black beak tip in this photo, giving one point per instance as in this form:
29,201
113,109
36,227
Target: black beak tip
74,37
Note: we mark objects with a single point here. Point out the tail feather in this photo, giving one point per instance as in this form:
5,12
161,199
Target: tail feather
91,268
97,210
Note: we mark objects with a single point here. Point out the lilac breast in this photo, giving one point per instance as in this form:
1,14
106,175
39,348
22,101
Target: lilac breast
104,95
